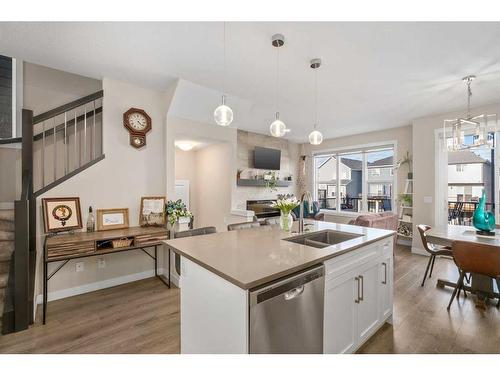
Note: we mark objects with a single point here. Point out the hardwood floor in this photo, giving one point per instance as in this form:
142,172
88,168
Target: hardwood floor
421,322
140,317
143,317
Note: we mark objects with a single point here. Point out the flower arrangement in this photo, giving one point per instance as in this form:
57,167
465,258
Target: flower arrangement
286,203
175,210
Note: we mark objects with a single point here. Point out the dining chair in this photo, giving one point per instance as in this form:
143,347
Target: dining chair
190,233
432,249
272,220
245,225
478,258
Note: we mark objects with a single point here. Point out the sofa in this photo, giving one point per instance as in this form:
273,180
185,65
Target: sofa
384,220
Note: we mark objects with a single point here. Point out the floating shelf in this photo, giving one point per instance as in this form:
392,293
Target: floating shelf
260,182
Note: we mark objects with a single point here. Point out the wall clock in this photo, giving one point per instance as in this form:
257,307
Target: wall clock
138,123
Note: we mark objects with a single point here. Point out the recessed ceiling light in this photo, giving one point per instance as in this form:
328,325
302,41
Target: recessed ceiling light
185,145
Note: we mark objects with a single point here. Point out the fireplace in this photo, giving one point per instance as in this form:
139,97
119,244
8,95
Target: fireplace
262,208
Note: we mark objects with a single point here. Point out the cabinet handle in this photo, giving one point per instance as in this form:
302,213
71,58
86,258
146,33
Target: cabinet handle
358,299
385,273
362,288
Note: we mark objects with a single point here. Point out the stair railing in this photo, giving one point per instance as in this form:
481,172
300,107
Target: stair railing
80,116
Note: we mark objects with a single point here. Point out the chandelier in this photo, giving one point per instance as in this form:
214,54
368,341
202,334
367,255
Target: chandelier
470,131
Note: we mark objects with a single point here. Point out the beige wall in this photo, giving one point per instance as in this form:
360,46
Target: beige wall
424,165
43,89
10,174
46,88
120,180
402,136
213,185
186,168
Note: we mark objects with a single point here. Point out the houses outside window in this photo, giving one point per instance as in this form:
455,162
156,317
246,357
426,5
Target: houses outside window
365,182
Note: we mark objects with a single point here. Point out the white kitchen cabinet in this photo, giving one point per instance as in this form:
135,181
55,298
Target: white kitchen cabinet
339,319
358,297
368,316
386,286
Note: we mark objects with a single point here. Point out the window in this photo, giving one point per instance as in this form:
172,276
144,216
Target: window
6,96
364,182
460,167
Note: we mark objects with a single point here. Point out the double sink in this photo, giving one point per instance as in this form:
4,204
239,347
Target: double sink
322,238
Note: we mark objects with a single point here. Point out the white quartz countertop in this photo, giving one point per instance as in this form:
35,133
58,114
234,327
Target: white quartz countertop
252,257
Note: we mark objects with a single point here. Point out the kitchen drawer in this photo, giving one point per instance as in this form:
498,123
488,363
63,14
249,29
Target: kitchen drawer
345,263
151,238
70,249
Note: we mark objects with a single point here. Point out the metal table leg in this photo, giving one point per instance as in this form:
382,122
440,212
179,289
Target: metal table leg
45,282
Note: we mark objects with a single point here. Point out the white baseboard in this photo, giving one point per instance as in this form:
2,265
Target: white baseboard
86,288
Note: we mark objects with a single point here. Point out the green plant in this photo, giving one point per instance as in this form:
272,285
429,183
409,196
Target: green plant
406,199
175,210
272,182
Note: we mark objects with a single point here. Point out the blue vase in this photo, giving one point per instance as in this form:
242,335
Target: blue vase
483,220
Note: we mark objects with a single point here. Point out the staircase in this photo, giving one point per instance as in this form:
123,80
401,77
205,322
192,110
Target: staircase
6,251
56,145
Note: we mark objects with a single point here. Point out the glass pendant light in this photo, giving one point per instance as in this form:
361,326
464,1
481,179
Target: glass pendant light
470,131
223,114
278,127
315,137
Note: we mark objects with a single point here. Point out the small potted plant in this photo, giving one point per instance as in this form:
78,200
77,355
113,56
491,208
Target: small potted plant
271,181
177,212
407,159
406,199
286,204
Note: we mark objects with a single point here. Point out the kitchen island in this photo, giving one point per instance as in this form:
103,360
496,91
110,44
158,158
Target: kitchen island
225,276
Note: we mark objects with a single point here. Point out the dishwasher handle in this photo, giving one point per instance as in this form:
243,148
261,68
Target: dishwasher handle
294,293
290,288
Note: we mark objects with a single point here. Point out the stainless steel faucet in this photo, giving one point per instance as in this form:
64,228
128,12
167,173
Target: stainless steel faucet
306,197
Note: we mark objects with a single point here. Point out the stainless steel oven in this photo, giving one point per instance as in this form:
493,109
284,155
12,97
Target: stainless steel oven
287,316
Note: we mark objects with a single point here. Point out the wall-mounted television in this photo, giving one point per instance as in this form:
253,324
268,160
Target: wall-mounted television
266,158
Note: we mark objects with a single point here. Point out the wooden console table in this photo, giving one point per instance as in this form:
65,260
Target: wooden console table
65,247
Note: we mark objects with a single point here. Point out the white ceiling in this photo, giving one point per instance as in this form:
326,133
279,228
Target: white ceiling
374,75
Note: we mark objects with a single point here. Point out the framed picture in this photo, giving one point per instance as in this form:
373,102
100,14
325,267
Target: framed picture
61,214
112,218
152,212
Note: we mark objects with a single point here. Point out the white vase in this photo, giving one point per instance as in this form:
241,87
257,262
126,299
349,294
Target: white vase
173,228
286,221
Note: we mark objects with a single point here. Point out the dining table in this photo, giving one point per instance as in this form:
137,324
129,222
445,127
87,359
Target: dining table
482,286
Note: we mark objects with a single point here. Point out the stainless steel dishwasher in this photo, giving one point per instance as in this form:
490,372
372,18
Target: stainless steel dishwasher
287,316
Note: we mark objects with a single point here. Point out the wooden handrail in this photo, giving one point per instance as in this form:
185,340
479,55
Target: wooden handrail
67,107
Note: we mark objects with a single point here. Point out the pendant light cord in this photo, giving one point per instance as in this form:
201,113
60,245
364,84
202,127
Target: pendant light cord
224,65
277,75
469,94
315,98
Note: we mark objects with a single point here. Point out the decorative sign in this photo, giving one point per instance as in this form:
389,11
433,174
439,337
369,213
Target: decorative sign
152,211
112,218
61,214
